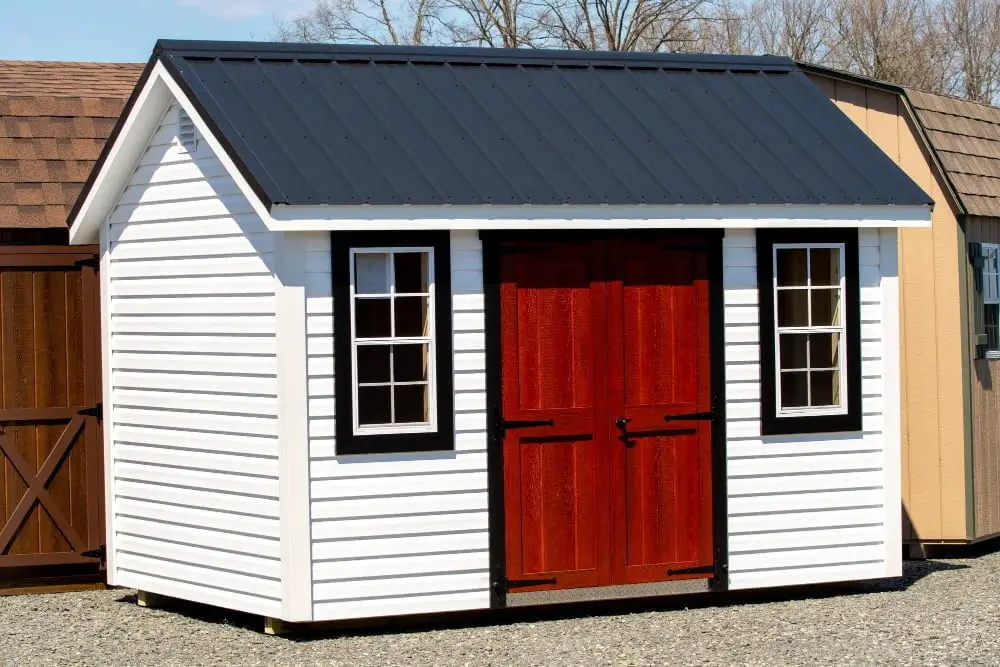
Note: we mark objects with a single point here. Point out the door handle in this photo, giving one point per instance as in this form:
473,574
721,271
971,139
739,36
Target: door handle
622,422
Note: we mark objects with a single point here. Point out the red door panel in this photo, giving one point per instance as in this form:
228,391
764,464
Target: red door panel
553,384
659,369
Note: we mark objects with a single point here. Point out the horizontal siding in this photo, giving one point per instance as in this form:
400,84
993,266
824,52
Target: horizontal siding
404,533
195,507
801,509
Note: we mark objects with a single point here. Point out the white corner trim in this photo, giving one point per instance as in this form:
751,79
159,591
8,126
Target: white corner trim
109,410
891,408
293,428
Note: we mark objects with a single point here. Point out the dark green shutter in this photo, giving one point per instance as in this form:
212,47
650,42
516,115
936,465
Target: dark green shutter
978,306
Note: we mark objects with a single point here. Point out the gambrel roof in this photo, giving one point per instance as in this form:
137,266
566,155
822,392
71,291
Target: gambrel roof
966,137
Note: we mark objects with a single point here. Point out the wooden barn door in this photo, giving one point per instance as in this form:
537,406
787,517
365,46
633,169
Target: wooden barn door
51,477
660,396
606,412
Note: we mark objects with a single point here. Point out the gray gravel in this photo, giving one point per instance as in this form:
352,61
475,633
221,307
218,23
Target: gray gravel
944,611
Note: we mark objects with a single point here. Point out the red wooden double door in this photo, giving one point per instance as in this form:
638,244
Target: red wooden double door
606,410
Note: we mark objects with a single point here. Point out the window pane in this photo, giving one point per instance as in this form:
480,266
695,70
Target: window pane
793,308
374,406
793,350
409,363
411,316
371,274
992,323
825,307
825,387
794,392
371,318
411,403
790,267
373,363
824,350
825,266
411,271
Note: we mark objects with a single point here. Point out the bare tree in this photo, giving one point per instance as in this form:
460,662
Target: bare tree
891,40
726,26
799,29
972,29
622,25
494,23
365,21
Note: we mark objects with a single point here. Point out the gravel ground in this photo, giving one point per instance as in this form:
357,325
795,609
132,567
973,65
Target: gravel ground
944,611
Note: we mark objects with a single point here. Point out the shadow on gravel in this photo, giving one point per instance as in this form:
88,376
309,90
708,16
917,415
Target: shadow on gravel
913,571
201,612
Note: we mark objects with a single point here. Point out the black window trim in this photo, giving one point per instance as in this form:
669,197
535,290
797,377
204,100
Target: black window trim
850,421
443,439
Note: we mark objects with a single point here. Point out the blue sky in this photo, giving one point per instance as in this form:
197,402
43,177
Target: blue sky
125,30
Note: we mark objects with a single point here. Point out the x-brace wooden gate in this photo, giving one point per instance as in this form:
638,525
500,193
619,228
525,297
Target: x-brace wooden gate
51,461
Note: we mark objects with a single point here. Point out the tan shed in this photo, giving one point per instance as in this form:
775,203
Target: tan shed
950,298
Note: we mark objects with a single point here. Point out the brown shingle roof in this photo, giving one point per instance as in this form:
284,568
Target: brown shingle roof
55,79
54,118
966,137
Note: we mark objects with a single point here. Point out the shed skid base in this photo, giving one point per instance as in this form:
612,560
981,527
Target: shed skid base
678,587
147,599
274,626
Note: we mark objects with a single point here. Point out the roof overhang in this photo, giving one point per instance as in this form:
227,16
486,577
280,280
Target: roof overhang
157,88
389,218
142,115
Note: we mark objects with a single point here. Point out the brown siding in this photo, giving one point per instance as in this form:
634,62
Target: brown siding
985,409
933,396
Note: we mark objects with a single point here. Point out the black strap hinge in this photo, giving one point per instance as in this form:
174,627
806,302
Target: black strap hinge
101,553
701,569
96,411
524,583
691,416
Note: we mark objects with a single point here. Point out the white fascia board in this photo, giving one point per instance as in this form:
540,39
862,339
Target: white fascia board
142,121
140,125
388,218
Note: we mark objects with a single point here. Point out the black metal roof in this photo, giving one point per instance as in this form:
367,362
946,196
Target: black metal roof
333,124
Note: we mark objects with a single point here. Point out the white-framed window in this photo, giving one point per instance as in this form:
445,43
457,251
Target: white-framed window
810,335
392,340
991,297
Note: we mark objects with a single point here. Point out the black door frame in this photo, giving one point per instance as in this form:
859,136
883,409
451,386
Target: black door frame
492,242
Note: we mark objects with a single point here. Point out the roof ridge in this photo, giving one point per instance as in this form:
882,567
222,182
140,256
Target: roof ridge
295,50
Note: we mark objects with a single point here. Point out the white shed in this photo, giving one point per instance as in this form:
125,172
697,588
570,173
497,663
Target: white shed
403,330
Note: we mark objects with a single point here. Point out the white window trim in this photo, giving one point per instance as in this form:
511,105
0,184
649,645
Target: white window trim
995,275
810,411
430,339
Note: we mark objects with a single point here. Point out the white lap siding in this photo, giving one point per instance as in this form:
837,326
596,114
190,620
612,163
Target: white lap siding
193,415
817,507
399,533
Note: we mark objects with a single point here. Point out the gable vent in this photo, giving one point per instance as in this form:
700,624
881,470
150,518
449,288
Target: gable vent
187,133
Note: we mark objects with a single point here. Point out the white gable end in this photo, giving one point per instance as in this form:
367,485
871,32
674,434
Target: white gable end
191,382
